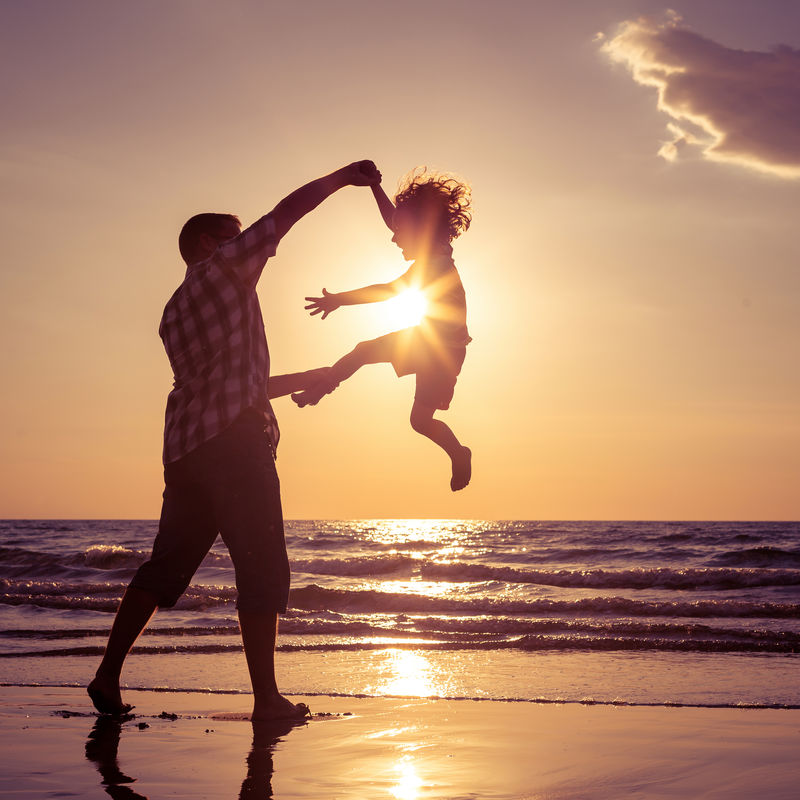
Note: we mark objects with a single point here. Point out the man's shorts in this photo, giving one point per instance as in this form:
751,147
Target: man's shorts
228,485
435,361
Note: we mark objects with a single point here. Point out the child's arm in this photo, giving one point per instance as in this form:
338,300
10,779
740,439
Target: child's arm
375,293
385,205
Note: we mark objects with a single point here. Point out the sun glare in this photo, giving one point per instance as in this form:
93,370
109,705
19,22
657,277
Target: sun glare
405,310
410,674
408,782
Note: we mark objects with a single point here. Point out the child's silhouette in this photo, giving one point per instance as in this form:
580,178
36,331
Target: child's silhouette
428,212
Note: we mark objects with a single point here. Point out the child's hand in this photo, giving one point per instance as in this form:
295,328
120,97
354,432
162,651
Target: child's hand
324,305
312,377
362,173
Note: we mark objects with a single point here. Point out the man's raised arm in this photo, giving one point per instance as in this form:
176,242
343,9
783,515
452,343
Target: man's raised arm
308,197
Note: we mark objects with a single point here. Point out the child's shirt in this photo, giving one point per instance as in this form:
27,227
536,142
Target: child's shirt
438,279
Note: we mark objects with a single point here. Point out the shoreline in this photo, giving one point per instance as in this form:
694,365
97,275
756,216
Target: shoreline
543,701
200,744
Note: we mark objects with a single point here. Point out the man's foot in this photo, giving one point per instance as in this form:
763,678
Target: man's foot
462,469
105,695
279,709
312,396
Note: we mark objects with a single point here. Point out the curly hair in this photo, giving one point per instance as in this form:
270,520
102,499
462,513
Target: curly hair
437,196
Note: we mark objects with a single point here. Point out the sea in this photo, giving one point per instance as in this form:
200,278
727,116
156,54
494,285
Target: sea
623,613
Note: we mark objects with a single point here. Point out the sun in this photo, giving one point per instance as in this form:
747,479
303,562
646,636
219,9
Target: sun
405,310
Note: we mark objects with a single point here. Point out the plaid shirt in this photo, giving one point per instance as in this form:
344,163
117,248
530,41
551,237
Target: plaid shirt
214,336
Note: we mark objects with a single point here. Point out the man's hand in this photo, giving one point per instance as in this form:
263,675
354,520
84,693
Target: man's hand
323,305
362,173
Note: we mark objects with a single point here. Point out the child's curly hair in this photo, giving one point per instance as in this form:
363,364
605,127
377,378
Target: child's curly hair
443,197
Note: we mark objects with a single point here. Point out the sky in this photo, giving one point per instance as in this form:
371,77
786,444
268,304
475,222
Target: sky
631,271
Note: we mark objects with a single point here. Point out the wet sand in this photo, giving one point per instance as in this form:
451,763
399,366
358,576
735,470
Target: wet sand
54,745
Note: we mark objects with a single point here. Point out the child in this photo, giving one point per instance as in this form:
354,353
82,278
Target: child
428,212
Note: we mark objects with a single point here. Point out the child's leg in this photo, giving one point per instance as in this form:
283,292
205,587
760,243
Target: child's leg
422,421
374,351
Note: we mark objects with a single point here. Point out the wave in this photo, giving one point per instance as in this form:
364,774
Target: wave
758,557
17,562
316,597
362,566
101,596
703,578
456,629
106,597
530,643
637,578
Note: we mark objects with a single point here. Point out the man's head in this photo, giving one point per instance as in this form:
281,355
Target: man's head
203,234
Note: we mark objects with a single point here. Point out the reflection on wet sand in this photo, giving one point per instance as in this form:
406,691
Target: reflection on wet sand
102,749
257,784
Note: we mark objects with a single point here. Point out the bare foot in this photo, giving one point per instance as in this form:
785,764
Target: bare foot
462,469
278,708
104,693
312,396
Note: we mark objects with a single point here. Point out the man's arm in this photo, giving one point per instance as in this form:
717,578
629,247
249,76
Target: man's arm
375,293
308,197
247,253
281,385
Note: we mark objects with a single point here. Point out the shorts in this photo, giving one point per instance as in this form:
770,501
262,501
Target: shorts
228,486
435,361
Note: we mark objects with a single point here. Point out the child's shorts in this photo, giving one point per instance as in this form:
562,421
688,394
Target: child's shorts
436,363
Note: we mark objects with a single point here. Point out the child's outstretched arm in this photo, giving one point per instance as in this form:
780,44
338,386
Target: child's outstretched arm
375,293
385,205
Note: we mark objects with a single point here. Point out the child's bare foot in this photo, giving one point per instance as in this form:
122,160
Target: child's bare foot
462,469
104,693
279,708
312,396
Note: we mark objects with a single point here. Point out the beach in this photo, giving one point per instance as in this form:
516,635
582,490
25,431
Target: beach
446,659
405,748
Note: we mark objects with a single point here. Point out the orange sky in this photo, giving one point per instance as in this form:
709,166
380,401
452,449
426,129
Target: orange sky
634,317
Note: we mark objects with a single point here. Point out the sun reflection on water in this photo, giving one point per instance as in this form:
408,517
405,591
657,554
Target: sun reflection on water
401,531
408,782
410,673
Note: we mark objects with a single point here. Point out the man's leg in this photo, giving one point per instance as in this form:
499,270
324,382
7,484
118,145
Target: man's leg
422,421
247,505
135,611
186,531
259,633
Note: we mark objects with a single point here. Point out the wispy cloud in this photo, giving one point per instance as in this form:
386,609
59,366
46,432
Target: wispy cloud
736,106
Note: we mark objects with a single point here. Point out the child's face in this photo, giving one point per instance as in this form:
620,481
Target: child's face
408,234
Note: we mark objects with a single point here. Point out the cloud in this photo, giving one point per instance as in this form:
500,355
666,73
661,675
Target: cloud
737,106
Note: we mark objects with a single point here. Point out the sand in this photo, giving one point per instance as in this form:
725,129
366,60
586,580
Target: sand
53,745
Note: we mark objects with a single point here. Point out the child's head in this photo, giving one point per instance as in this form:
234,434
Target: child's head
430,209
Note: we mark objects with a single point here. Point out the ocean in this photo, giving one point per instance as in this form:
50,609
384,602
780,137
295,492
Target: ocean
628,613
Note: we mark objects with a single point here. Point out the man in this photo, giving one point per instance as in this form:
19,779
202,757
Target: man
220,437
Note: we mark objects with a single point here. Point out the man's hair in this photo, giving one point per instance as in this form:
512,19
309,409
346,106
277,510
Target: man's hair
194,228
441,200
